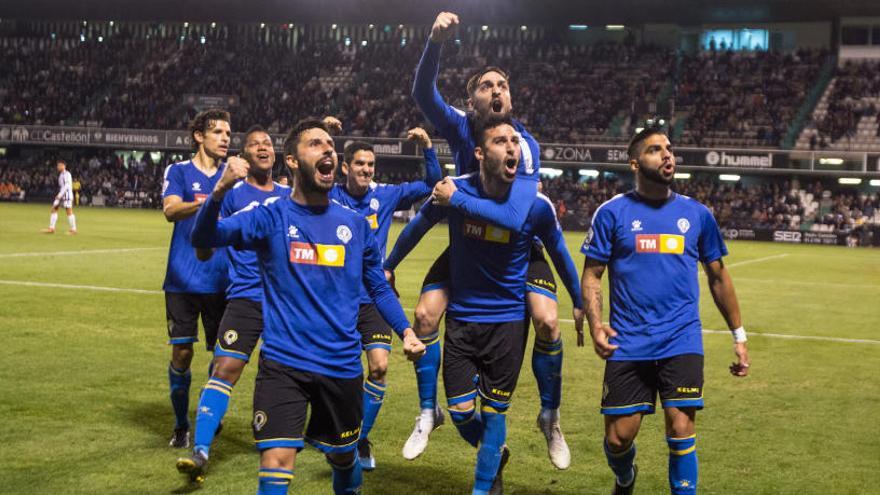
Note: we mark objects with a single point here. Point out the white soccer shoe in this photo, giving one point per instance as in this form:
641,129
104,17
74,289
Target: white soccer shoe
426,422
557,449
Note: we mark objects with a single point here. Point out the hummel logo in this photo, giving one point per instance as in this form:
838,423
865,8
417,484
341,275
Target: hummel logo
293,232
637,225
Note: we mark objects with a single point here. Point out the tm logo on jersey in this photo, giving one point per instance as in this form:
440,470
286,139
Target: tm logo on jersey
305,253
660,243
486,232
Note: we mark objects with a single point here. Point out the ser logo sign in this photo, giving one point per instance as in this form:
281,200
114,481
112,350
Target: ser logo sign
787,236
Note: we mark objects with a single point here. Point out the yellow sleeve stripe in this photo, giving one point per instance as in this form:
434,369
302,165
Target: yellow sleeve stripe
683,452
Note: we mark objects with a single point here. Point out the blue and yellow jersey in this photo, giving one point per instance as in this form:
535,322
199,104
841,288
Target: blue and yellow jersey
184,272
652,249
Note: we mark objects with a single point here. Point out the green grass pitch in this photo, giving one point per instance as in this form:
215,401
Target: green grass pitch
84,405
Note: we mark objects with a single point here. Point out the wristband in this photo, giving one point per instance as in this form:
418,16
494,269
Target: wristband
739,335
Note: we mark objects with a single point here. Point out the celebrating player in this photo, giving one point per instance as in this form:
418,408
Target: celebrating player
486,331
242,321
378,202
651,239
488,94
314,256
192,288
63,198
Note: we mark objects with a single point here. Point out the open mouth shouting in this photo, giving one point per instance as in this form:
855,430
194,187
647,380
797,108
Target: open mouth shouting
510,168
325,169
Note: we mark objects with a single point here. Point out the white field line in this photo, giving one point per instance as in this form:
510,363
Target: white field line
87,251
159,292
757,260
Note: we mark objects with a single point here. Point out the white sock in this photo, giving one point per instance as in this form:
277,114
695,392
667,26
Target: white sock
52,219
71,220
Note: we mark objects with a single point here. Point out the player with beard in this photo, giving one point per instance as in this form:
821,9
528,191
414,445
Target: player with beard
192,288
314,256
378,202
242,321
488,95
652,239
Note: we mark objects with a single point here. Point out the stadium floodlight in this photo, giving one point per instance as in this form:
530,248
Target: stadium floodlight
682,175
523,28
202,39
82,38
213,25
485,27
364,43
333,26
875,182
851,181
830,161
588,172
371,27
615,27
290,26
578,27
186,24
550,172
449,166
100,39
111,23
262,25
347,41
729,177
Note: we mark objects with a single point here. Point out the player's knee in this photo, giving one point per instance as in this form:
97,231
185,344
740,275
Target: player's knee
341,460
228,369
547,325
427,318
378,371
617,442
680,422
462,406
277,458
181,356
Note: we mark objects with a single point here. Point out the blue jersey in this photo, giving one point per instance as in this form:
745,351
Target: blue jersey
185,273
313,261
457,128
488,264
652,249
244,269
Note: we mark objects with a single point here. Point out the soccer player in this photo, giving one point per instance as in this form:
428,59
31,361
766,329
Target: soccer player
242,321
488,94
192,288
486,329
378,202
63,198
651,239
314,256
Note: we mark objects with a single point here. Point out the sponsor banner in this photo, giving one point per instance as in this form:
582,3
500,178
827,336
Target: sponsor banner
739,234
735,159
201,102
789,236
130,138
38,134
177,140
824,238
381,147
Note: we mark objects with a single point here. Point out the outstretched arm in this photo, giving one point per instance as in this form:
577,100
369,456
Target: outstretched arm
208,230
721,287
510,214
424,91
412,234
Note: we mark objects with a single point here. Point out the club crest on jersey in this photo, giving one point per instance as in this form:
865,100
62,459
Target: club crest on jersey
293,232
343,233
374,204
683,225
636,226
589,238
304,253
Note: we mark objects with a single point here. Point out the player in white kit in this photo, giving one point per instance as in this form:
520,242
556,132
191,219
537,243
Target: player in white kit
63,198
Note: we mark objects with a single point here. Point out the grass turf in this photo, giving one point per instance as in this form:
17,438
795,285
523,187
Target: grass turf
85,403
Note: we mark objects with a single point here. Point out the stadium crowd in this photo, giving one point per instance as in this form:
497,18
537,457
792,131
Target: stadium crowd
855,95
564,91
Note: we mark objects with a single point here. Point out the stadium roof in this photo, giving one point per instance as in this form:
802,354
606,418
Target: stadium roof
591,12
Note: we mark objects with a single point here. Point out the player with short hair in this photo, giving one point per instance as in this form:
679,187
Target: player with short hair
242,322
314,256
651,240
486,329
488,94
64,198
192,288
378,202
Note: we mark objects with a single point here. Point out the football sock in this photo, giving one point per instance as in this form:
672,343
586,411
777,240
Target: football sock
547,367
180,381
347,479
622,463
469,425
71,221
53,219
374,395
212,407
427,368
274,481
489,454
683,465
